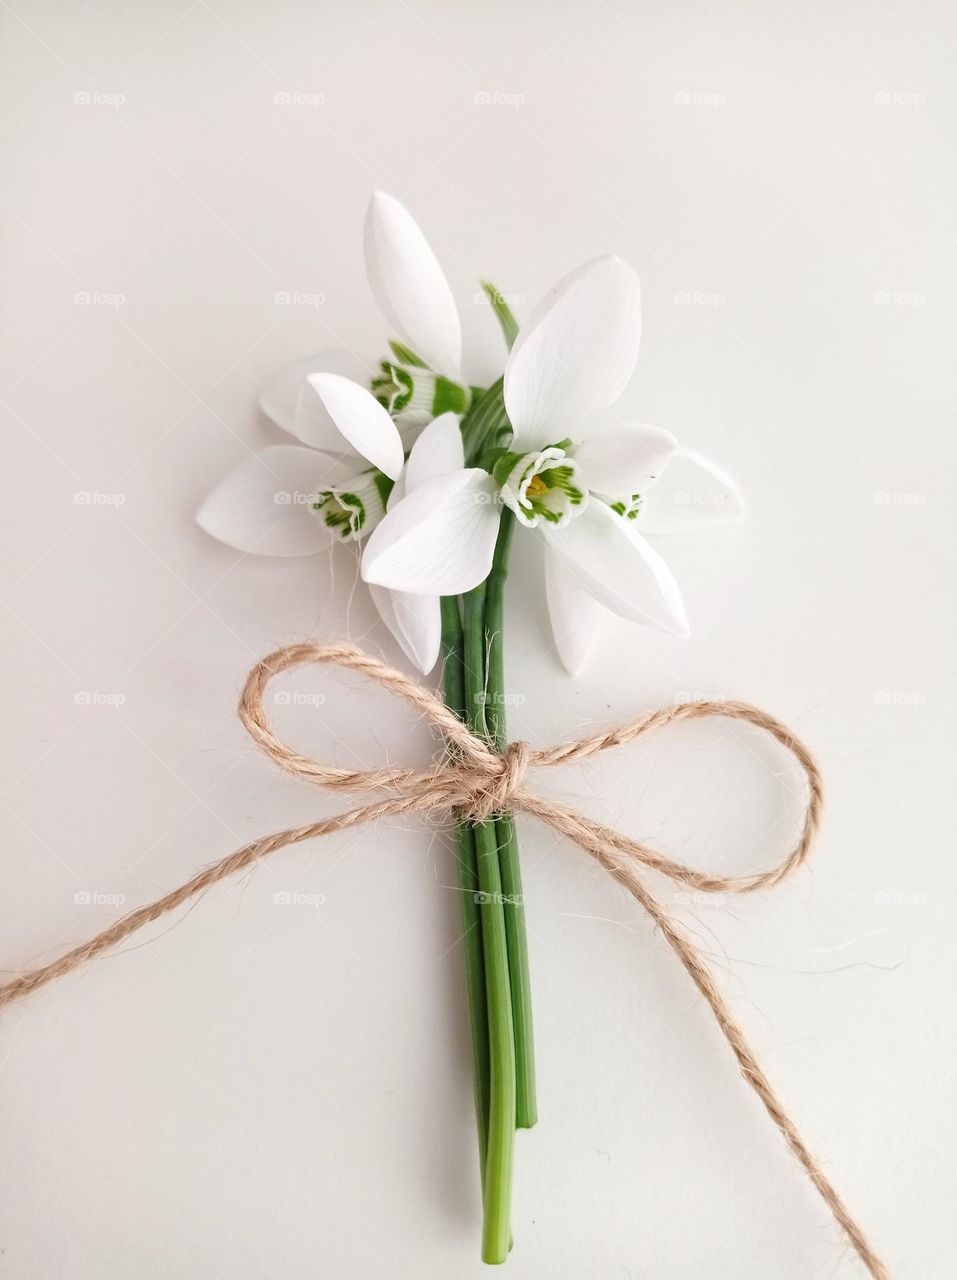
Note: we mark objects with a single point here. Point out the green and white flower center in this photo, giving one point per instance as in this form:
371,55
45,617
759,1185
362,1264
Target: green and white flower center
406,389
354,508
541,486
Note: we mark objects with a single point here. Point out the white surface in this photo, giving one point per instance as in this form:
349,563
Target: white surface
283,1090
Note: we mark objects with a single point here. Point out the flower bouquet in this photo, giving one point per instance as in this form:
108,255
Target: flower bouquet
433,479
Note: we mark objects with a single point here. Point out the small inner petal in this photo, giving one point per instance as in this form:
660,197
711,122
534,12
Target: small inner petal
353,509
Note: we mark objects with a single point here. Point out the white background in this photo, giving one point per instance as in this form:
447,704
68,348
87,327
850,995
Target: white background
264,1090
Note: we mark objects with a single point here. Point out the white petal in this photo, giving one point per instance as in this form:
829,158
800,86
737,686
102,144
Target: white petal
437,452
624,460
409,285
576,354
573,611
357,417
415,622
620,569
419,618
263,506
693,493
438,540
280,399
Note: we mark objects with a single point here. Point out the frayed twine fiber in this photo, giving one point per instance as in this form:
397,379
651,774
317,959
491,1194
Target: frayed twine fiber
477,782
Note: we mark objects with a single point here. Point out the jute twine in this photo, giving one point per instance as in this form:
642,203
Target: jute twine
476,782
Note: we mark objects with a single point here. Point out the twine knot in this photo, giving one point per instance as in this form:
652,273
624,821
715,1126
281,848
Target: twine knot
480,782
496,791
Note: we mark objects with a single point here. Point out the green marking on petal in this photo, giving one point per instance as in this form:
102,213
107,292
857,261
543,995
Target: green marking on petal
393,387
384,485
628,508
450,397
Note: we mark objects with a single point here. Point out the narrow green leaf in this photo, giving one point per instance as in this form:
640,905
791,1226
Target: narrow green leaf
503,312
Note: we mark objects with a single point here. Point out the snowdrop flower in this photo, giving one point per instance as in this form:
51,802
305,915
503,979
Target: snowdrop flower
415,619
289,500
424,378
593,496
294,501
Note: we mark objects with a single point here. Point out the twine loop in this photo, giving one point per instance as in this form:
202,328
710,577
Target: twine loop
478,782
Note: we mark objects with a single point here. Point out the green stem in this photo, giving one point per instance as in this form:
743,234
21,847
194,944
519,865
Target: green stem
526,1110
455,698
496,1233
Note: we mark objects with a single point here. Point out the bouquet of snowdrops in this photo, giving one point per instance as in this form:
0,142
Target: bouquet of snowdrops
434,478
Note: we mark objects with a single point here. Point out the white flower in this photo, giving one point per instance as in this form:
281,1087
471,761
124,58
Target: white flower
292,501
589,496
574,358
415,619
414,296
288,500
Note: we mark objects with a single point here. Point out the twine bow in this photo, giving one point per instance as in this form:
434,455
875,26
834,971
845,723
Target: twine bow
477,782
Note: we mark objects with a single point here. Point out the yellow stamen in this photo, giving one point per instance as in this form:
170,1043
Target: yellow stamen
536,487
